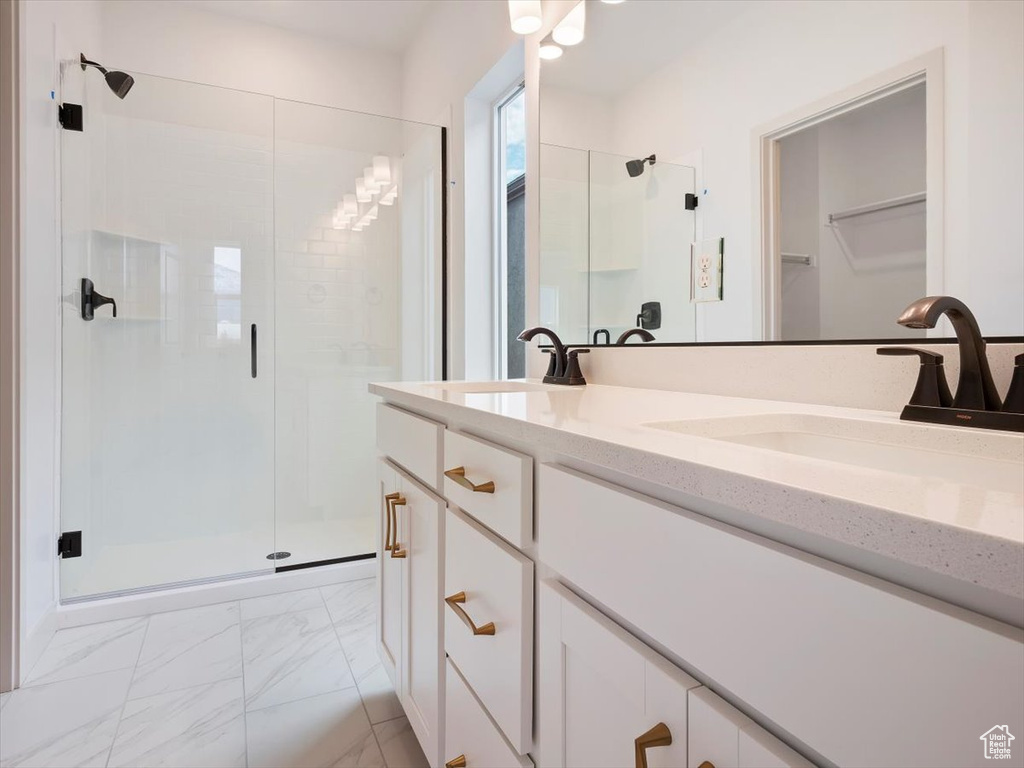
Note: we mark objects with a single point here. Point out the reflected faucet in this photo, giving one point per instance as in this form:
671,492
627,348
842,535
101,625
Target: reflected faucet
643,333
976,389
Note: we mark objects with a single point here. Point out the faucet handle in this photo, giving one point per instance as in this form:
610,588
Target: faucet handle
1015,395
552,364
932,389
573,373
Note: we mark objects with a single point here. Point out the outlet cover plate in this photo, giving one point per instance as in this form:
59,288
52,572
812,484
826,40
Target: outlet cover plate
706,269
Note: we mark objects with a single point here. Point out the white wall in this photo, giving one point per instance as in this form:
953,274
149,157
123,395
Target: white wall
782,56
50,31
161,37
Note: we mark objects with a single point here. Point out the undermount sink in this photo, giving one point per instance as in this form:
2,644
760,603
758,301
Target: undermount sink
990,460
490,387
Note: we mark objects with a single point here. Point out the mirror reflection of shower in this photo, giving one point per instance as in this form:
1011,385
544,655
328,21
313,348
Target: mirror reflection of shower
636,167
120,82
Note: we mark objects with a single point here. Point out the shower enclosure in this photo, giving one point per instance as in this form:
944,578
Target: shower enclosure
266,260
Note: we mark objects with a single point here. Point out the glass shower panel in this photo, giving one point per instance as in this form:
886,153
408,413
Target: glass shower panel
358,226
167,422
640,236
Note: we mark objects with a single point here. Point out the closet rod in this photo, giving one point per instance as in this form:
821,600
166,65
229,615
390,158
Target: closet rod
884,205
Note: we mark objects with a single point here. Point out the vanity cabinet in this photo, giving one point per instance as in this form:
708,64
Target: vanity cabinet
410,578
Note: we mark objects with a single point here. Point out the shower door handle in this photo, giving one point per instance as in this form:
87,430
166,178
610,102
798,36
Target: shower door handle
92,300
252,349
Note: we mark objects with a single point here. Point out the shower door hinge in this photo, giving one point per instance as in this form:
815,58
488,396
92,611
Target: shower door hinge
69,544
70,116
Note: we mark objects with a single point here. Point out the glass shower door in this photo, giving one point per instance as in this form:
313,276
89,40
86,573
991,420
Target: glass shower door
167,445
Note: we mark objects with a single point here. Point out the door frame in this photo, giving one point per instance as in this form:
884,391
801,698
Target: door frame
767,264
10,348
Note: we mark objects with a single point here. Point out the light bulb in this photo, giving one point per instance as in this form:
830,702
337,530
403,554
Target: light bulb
382,170
525,16
362,193
570,29
350,205
550,50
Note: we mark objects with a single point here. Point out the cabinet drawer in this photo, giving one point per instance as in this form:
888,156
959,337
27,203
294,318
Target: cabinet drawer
600,689
503,482
844,662
412,442
469,731
497,658
726,738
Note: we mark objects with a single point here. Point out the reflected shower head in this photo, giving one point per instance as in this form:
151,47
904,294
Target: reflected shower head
636,167
120,82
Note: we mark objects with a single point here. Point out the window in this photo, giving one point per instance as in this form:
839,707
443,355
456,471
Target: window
227,290
510,294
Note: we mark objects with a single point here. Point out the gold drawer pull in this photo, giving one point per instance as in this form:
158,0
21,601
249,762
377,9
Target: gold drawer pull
388,498
454,602
460,762
396,549
459,476
706,764
658,736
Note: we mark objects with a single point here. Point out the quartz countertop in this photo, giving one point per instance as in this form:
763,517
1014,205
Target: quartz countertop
970,534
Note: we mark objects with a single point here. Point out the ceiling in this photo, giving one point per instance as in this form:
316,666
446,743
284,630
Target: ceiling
628,42
388,25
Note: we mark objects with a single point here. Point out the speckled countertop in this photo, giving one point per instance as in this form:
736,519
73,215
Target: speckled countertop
971,533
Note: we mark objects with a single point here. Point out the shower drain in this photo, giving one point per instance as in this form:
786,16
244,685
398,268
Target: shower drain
278,555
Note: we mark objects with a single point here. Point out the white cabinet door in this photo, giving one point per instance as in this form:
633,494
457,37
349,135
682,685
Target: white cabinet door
420,516
389,576
723,737
600,689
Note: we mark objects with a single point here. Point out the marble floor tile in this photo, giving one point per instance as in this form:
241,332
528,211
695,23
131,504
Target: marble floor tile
326,730
379,696
360,645
286,602
67,723
352,602
87,650
188,648
202,726
399,744
291,656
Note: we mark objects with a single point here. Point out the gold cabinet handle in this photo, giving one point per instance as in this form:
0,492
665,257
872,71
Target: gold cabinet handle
454,602
388,498
460,762
396,549
658,736
706,764
459,476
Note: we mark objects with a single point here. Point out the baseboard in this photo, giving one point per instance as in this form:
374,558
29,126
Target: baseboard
130,606
35,641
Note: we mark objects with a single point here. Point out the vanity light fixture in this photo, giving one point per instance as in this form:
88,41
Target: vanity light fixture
382,170
388,197
372,213
569,30
370,181
525,16
549,49
350,205
339,222
362,193
613,2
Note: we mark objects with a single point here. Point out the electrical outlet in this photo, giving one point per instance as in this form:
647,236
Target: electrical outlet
706,270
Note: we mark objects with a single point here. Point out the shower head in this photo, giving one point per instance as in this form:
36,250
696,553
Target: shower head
636,167
119,82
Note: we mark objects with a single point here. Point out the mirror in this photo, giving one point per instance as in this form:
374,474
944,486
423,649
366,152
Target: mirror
775,171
